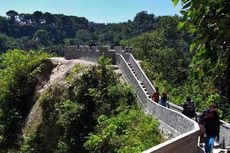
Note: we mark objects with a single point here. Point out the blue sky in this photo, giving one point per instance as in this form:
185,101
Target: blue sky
107,11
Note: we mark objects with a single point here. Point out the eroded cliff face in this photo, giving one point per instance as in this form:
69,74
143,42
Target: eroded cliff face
54,72
71,100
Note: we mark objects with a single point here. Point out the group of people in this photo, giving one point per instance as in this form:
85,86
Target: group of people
209,121
162,100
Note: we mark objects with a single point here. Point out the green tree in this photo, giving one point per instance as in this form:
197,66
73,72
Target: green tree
128,131
25,18
18,72
83,37
37,17
42,37
160,60
49,18
144,22
208,22
12,15
6,43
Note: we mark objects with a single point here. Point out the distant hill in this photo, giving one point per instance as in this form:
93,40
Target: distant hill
51,31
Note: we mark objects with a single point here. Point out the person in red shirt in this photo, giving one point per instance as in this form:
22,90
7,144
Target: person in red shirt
156,95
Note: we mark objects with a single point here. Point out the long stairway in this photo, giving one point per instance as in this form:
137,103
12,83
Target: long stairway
141,83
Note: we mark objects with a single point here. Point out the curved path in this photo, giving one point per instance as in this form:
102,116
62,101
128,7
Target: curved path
183,130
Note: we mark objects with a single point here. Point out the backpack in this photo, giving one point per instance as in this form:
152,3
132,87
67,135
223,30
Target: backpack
189,109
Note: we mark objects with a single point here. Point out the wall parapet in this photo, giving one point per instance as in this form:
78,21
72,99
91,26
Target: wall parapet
92,53
184,130
224,127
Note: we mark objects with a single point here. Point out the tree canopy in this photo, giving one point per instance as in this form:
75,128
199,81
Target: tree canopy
65,30
209,23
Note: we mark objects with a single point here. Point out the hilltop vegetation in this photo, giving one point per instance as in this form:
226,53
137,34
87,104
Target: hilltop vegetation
18,73
51,32
91,111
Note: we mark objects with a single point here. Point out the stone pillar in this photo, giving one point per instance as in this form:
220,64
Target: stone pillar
118,49
81,48
103,49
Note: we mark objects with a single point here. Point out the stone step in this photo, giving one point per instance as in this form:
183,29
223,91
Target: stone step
143,86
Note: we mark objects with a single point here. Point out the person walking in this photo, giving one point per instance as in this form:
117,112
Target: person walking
189,108
211,125
91,44
156,95
164,100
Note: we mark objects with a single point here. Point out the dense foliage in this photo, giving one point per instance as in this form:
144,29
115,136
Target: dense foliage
163,52
52,31
208,22
18,73
128,131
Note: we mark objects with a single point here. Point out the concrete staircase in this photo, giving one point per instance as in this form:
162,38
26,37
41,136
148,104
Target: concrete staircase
141,83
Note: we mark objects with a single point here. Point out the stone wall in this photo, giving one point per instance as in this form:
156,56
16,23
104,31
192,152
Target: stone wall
129,77
182,128
92,54
225,134
184,143
224,127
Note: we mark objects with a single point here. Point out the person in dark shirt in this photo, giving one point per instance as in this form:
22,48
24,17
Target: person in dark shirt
211,128
91,44
164,100
189,108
